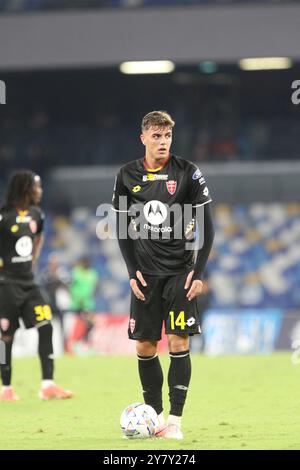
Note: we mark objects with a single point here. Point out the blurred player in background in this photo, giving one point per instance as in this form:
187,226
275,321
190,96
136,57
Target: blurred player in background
54,282
84,282
21,241
164,278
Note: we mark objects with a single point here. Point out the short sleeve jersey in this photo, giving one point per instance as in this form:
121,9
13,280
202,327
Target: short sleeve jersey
18,230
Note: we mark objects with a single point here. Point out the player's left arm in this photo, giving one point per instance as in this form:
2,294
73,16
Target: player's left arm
194,279
200,198
38,241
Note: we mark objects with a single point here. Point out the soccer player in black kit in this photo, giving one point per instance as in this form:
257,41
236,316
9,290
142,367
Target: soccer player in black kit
21,240
165,275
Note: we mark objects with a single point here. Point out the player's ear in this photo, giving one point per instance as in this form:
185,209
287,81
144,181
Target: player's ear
142,137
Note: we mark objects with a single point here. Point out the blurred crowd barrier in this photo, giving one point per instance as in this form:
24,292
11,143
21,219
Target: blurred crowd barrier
44,5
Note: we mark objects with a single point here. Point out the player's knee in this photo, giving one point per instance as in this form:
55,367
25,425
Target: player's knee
146,348
178,343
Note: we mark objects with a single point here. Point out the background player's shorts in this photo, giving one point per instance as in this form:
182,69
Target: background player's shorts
22,301
165,302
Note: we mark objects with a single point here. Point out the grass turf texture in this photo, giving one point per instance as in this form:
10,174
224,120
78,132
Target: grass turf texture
249,402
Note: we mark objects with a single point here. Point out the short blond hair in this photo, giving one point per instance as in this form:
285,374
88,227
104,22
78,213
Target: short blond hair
157,119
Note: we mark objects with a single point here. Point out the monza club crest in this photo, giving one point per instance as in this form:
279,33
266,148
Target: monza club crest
132,325
33,226
171,186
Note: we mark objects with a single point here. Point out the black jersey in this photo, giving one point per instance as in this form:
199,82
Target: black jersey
18,230
161,204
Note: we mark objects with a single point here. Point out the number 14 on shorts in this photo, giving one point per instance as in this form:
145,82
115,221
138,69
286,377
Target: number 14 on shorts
179,320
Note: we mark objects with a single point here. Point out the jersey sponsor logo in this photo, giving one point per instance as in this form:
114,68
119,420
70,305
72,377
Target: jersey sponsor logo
197,174
155,212
205,191
23,219
158,229
136,188
171,186
132,325
14,228
24,247
153,177
33,226
26,259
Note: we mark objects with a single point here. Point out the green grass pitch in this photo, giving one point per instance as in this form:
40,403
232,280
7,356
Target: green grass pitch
249,402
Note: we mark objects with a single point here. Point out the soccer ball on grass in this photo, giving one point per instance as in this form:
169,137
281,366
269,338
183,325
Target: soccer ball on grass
139,421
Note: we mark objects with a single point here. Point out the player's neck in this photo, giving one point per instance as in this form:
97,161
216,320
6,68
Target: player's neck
22,207
152,164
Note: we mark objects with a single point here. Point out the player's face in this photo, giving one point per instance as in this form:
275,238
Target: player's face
157,141
37,190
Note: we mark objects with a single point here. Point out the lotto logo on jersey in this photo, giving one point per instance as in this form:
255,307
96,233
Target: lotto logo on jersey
171,186
14,228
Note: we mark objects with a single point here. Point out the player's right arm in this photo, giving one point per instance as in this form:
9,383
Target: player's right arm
121,205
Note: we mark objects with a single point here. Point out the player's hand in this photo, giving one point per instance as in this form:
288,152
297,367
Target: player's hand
135,288
195,288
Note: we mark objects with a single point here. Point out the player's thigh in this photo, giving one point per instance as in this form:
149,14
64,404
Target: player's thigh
146,317
9,311
36,310
181,315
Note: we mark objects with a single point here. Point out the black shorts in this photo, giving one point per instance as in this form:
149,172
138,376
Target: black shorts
165,302
19,300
